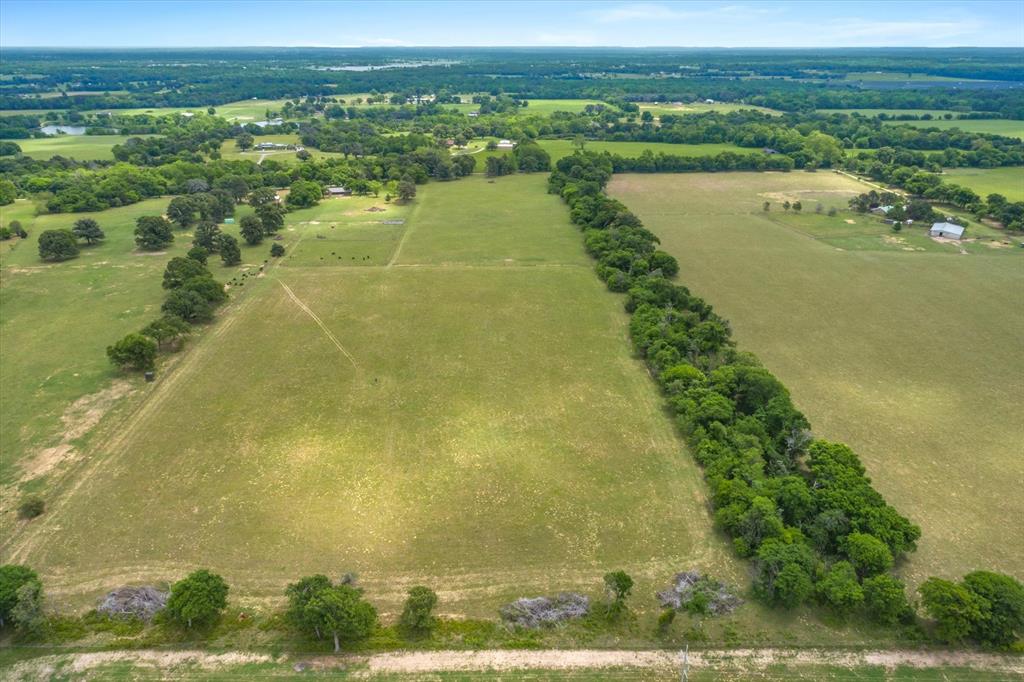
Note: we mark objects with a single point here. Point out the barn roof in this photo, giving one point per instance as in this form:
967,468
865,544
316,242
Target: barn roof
949,228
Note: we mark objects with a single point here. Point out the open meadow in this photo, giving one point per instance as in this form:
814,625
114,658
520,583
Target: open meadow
79,147
453,402
659,109
992,126
904,348
56,320
1008,181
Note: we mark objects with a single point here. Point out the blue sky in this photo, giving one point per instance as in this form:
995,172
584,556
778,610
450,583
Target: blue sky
187,23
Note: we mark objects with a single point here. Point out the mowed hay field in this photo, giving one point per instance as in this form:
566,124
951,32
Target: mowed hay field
461,411
910,356
998,126
1008,181
79,147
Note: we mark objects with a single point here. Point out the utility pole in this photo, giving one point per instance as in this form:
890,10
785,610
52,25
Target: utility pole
685,677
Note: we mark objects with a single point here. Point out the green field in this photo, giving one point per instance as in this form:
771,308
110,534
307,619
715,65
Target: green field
1008,181
996,126
229,149
907,355
57,319
81,147
463,410
243,111
560,148
662,108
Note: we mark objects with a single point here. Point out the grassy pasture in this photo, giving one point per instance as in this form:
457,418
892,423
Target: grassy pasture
443,419
81,147
662,108
559,148
229,149
1008,181
997,126
906,356
56,319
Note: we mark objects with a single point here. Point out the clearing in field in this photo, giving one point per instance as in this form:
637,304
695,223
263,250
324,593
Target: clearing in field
908,355
1008,181
997,126
463,412
79,147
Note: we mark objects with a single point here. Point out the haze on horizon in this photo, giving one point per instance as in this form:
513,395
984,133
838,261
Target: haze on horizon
236,23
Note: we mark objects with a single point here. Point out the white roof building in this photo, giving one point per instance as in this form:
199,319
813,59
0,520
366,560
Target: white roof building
948,230
506,144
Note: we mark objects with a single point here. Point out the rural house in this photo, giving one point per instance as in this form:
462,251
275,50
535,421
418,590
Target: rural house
947,230
506,144
338,191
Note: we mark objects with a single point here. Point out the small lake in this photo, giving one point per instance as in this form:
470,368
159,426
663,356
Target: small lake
62,130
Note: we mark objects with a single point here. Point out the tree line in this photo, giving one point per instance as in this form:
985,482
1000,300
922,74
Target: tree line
802,509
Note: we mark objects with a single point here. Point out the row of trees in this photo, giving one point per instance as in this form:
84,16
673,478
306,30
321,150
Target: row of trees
316,606
803,509
192,296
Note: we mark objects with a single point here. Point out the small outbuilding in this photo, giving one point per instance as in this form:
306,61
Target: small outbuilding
506,144
946,230
339,191
884,210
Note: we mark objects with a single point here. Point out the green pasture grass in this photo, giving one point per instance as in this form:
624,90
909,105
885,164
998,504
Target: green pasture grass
243,111
229,149
56,320
1008,181
560,148
995,126
341,231
550,106
468,416
663,108
904,355
24,112
80,147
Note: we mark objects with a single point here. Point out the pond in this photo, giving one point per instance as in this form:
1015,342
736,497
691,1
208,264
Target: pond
62,130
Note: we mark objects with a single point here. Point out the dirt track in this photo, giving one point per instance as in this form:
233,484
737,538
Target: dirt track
426,662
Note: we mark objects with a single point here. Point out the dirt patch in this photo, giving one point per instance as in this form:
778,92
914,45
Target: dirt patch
848,221
87,411
46,460
78,419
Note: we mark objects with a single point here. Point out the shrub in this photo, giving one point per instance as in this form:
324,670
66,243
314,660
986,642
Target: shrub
88,229
198,599
251,229
153,233
276,250
869,555
12,577
198,254
31,506
230,254
886,599
133,352
57,245
956,610
417,618
839,588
